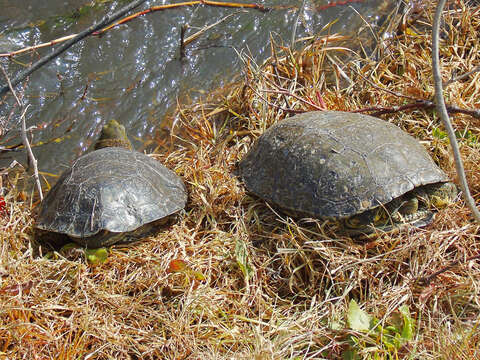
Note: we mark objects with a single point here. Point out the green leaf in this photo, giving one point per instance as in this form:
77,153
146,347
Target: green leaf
408,323
96,256
69,246
241,255
198,275
50,255
439,134
349,355
357,319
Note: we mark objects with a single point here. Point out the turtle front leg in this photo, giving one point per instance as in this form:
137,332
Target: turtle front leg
364,222
405,210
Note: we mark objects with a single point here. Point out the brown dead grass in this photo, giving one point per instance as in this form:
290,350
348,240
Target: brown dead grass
258,284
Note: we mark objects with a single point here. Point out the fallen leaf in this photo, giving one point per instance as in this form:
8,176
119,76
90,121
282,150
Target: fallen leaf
177,265
3,206
357,319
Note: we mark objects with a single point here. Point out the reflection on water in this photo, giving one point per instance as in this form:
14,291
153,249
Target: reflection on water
133,73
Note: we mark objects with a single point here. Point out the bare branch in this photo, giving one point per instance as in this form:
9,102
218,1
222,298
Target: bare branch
442,112
418,104
199,33
463,76
24,109
106,20
30,152
38,46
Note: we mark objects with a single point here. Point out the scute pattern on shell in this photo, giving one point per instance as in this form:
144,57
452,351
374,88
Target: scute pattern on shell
334,164
111,189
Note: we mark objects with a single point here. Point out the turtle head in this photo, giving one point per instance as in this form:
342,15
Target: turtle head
113,135
441,195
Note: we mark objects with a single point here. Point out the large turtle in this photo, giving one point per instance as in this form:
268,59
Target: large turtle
358,170
111,195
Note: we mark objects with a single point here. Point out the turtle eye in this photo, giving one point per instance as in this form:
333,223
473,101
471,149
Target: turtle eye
353,222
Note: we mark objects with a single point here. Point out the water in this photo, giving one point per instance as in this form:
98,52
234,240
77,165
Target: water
134,73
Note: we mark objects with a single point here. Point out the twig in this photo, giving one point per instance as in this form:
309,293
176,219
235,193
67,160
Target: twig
38,46
182,41
191,38
463,76
180,4
238,5
33,161
24,109
381,88
418,104
147,11
426,280
99,30
442,112
106,20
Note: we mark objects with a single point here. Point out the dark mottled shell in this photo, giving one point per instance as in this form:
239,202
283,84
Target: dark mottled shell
110,189
335,164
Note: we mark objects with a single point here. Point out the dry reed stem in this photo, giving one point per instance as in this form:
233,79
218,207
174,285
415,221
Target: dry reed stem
290,298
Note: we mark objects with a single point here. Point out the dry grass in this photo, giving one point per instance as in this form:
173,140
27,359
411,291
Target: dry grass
257,284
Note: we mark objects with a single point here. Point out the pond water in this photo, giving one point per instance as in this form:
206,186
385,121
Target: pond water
134,73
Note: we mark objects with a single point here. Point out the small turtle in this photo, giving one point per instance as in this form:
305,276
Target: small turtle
360,171
111,195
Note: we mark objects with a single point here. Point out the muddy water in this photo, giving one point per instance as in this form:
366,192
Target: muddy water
134,73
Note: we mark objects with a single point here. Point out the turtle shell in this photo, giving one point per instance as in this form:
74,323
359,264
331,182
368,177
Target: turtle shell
111,189
333,165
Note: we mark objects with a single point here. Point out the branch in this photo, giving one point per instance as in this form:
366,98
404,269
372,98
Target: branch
99,30
24,109
418,104
442,112
426,280
106,20
38,46
463,76
33,161
193,37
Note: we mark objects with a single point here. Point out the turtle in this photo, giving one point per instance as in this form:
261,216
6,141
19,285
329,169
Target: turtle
110,195
356,170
